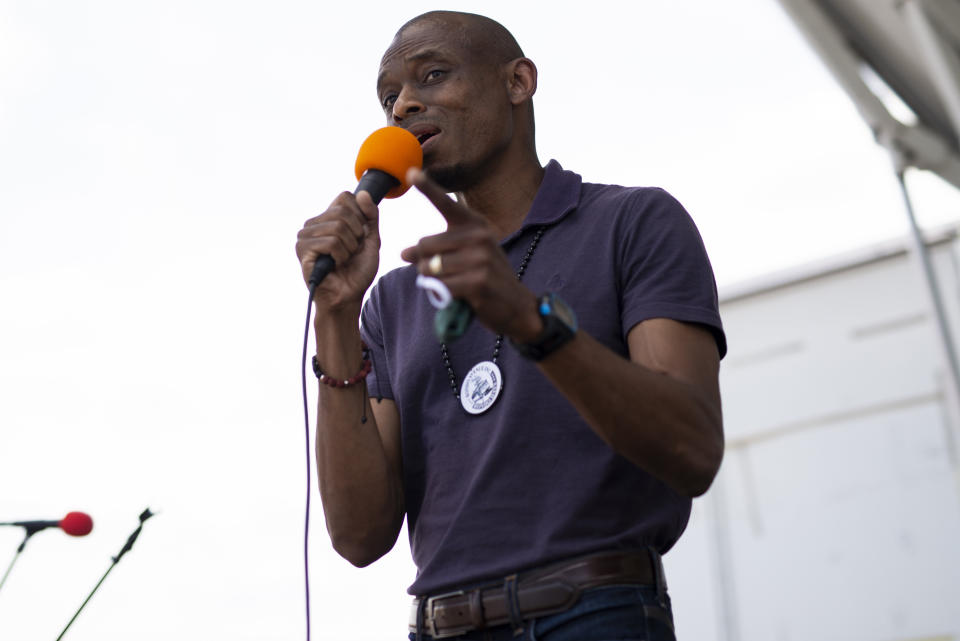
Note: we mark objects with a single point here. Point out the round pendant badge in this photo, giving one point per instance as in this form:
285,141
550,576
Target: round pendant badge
481,387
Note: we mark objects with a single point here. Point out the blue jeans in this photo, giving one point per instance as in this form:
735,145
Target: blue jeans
609,613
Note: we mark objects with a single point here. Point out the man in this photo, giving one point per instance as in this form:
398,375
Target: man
545,459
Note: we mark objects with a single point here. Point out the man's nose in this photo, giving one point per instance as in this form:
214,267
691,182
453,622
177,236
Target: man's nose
407,103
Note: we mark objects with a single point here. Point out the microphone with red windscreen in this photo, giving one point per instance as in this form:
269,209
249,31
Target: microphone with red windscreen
382,164
74,524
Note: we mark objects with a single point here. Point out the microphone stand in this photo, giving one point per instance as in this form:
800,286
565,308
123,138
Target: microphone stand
30,532
146,514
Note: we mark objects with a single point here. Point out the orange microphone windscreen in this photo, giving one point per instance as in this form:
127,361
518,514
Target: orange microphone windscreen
392,150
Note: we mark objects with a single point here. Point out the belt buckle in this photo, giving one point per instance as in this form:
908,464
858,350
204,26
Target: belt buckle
432,619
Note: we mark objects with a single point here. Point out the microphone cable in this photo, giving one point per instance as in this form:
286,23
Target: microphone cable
306,426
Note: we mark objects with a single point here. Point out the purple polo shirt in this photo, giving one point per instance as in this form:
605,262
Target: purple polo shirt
528,482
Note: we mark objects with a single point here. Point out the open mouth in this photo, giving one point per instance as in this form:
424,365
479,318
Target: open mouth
424,133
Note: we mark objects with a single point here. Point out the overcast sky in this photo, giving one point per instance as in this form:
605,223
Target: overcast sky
156,162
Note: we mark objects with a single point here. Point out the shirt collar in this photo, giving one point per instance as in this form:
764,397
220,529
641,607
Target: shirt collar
557,196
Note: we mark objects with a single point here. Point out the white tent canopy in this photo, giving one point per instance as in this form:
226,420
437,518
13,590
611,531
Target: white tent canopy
913,46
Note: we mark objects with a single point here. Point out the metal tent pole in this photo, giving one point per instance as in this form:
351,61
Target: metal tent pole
944,67
935,299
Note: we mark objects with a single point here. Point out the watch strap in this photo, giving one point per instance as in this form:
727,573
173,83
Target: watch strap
556,331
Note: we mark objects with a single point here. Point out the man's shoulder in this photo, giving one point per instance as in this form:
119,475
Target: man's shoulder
624,195
631,204
563,191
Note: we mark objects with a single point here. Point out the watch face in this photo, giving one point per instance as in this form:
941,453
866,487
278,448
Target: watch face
562,311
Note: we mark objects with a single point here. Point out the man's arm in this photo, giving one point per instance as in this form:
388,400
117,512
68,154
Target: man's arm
660,409
358,462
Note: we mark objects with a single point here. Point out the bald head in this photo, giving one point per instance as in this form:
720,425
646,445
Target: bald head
461,84
479,34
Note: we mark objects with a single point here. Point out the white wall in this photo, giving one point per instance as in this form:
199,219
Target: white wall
836,514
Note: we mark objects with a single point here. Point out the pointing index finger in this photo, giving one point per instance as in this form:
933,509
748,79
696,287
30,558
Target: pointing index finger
455,213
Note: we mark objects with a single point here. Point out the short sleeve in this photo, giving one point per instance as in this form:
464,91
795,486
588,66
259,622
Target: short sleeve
664,271
371,331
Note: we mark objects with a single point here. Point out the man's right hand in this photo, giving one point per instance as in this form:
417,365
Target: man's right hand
349,232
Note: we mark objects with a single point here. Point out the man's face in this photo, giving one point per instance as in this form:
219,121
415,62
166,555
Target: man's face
450,98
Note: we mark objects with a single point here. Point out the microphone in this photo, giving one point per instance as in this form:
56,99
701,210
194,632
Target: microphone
382,164
74,524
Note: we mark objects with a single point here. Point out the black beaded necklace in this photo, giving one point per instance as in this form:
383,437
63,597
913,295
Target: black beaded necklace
496,348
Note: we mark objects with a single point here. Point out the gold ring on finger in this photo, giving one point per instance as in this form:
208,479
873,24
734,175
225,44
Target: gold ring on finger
435,265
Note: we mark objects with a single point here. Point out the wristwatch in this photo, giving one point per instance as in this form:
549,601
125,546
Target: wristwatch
559,327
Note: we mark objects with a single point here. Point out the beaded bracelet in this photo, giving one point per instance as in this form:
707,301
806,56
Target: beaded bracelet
336,382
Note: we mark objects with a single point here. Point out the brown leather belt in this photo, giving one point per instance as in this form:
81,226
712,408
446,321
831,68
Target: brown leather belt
537,593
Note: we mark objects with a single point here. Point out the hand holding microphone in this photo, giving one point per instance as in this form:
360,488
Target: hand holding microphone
346,237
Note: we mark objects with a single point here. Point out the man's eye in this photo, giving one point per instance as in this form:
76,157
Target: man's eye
433,74
389,100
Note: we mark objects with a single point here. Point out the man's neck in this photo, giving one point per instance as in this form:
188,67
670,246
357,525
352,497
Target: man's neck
505,195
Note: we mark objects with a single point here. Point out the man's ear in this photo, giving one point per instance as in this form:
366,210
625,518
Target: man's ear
521,80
